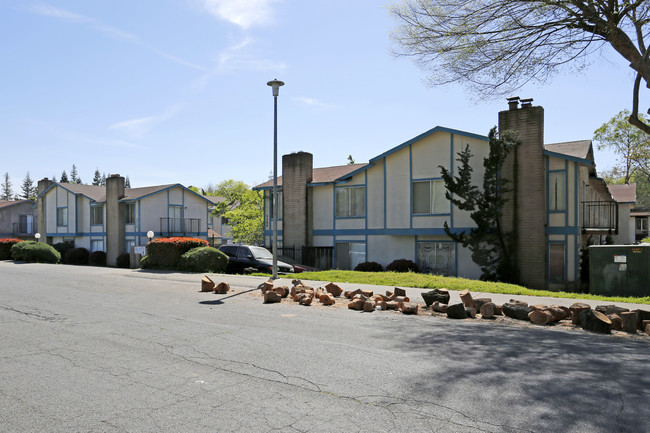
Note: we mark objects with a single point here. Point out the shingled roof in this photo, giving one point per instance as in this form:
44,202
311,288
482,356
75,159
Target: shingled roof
623,193
4,203
577,149
321,175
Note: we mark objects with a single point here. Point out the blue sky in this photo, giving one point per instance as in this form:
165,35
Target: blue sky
172,91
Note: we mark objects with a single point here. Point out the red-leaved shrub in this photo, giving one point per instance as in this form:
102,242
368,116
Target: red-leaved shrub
164,253
5,247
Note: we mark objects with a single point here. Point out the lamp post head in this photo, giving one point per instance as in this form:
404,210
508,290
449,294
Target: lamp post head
275,85
150,235
37,236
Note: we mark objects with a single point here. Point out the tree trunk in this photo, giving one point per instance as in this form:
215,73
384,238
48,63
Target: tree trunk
540,317
487,310
629,321
207,285
456,311
436,295
517,310
467,299
595,321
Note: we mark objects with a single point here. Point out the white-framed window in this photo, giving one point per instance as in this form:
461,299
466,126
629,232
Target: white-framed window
429,197
96,245
438,258
129,213
556,191
350,201
96,215
642,224
62,216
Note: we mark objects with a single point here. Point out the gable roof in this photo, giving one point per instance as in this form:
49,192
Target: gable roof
136,193
623,193
579,151
322,175
98,193
5,204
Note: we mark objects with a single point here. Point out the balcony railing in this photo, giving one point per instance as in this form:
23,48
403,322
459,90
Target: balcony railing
180,226
24,228
600,216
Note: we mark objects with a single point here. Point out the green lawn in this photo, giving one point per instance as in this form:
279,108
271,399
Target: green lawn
437,282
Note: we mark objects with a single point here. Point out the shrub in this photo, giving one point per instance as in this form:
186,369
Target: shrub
31,251
97,258
164,253
123,261
369,267
203,259
62,248
76,256
5,247
402,265
644,240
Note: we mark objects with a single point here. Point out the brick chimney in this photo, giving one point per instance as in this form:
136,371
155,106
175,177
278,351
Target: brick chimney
114,218
41,223
297,172
524,214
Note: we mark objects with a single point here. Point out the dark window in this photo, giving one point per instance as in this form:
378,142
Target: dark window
129,209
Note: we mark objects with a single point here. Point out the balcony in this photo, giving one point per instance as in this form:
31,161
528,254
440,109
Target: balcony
180,226
600,217
24,228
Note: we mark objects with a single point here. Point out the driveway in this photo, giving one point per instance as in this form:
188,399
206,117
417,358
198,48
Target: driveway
113,350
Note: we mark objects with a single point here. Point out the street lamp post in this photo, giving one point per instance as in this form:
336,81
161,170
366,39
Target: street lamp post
150,235
275,85
38,237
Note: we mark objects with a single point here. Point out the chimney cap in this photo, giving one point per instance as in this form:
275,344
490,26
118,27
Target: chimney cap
525,103
115,175
513,98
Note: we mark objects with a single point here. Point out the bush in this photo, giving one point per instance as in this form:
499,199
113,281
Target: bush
123,261
5,247
76,256
369,267
402,265
644,241
164,253
31,251
97,258
203,259
62,248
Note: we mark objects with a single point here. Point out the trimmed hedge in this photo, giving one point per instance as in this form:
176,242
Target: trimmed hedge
123,261
5,247
369,267
97,258
31,251
62,248
203,259
402,265
164,253
76,256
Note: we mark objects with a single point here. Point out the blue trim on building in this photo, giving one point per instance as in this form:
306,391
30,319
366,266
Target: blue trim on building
389,232
568,157
562,230
385,197
411,204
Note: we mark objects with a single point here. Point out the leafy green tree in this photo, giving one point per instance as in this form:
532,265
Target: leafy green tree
491,247
6,193
97,178
28,190
496,46
244,210
631,145
64,177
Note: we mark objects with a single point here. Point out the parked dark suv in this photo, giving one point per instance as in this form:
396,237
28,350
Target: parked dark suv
241,257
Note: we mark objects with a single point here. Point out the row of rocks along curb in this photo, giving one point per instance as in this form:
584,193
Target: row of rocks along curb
602,319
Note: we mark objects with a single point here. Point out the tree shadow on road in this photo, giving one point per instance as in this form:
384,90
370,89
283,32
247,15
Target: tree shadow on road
538,379
220,300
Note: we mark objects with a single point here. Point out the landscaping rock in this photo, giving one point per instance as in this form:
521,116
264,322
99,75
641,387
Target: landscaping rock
436,295
334,289
516,310
595,321
456,311
222,288
207,285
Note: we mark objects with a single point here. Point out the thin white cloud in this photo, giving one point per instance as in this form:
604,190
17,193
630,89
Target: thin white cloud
140,126
244,13
51,11
312,102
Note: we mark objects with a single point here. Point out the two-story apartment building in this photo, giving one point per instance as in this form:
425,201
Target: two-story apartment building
395,206
114,218
17,219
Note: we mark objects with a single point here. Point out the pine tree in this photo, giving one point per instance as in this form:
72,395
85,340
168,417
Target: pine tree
54,178
73,174
5,191
127,182
103,182
97,179
64,177
28,189
491,247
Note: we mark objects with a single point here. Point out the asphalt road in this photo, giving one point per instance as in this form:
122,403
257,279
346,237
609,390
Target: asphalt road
110,350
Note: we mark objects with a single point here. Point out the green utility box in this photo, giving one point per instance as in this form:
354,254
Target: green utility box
619,270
